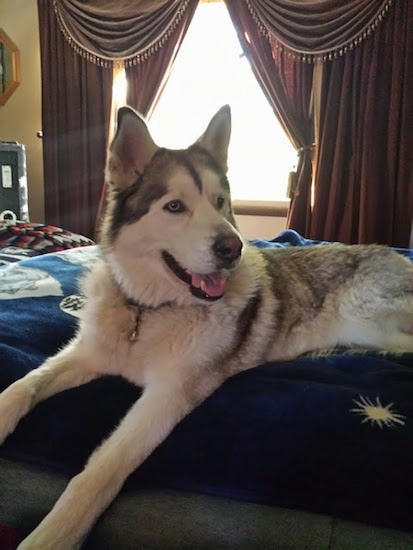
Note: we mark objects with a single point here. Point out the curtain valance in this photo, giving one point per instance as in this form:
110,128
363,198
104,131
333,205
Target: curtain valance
317,29
122,32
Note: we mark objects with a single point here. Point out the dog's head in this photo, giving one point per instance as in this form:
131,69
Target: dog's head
169,228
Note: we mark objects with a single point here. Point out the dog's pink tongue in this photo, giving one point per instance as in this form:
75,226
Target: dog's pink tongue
212,284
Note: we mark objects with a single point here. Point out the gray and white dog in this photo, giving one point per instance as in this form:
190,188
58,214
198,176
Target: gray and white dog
179,302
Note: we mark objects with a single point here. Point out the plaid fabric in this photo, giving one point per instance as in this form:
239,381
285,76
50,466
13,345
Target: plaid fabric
39,237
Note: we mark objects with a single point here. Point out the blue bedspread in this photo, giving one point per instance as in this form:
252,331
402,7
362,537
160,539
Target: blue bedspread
331,433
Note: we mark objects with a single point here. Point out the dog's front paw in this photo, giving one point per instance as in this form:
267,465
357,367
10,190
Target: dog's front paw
7,420
41,540
30,544
13,405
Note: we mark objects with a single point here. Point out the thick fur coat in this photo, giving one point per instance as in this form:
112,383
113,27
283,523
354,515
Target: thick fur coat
179,302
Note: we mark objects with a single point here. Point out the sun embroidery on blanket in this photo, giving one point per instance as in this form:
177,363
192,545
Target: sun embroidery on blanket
376,413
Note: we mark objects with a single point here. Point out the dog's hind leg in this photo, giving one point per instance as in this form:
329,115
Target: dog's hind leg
398,341
69,368
145,426
397,326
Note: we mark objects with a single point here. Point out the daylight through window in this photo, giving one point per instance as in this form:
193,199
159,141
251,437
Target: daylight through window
210,71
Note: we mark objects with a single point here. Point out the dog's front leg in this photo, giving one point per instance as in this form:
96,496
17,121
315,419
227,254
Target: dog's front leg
144,427
69,368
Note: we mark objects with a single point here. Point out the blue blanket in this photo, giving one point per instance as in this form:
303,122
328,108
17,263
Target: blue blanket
329,432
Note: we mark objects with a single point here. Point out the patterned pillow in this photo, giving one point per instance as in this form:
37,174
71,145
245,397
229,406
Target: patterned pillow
33,239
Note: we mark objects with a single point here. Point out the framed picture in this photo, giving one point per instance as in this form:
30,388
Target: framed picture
9,67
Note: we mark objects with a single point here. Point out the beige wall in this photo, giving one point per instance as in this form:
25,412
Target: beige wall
20,117
260,227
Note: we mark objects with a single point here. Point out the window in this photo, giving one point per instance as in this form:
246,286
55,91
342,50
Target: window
210,71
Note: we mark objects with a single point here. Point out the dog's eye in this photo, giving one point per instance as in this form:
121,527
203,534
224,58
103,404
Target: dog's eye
220,202
175,207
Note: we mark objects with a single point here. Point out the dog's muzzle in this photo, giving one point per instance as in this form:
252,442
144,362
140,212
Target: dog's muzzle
209,286
227,250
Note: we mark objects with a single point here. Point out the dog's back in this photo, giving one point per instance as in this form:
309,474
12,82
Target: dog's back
329,295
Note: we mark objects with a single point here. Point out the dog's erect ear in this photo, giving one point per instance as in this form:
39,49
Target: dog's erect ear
131,150
215,139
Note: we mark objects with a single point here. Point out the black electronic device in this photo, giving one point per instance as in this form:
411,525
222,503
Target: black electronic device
13,182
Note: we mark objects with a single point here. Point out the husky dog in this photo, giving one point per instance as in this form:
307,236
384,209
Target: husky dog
179,302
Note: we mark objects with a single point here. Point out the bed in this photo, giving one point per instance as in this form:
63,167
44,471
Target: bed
311,453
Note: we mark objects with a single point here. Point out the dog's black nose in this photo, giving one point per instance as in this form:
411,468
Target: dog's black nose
227,248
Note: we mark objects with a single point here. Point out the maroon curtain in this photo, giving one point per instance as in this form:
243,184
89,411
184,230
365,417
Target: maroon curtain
76,101
147,78
364,180
287,84
363,189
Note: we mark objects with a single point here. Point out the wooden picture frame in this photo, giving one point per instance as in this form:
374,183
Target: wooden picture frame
9,67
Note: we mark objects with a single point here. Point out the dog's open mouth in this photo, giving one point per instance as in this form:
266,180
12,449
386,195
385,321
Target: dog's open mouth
209,286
